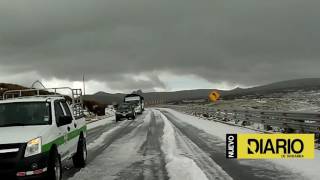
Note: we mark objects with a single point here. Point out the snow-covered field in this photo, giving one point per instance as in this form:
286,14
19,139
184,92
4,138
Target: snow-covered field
307,101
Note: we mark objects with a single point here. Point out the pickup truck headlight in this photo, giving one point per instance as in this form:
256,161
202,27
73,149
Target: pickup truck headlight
33,147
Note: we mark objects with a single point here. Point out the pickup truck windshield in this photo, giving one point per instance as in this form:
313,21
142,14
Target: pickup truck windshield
124,107
24,114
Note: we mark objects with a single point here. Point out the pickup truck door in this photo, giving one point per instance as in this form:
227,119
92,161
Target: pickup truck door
64,129
73,137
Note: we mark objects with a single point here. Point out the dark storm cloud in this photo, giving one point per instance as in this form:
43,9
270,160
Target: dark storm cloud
128,84
244,42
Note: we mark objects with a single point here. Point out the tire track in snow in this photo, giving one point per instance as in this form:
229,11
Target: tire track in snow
135,156
118,131
154,166
152,163
117,156
207,165
184,159
126,154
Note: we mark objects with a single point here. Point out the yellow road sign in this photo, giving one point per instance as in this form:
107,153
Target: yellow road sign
214,96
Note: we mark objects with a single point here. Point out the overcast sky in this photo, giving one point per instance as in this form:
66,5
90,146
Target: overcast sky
158,45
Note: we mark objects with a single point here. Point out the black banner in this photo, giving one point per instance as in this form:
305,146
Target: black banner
232,146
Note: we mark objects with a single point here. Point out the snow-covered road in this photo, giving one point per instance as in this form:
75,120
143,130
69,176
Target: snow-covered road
164,144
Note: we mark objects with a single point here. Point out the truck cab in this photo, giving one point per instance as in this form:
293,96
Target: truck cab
40,132
137,101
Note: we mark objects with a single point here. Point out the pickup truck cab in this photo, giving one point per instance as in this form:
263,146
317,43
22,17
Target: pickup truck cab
37,133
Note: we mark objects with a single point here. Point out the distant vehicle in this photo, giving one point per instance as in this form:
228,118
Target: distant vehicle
125,110
137,100
39,132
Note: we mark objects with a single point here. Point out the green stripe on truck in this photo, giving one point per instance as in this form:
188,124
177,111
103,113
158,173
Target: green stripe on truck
76,133
60,140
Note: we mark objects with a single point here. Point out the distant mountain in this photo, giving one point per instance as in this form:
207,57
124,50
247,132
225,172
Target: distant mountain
283,86
152,96
105,98
6,87
177,96
291,84
278,87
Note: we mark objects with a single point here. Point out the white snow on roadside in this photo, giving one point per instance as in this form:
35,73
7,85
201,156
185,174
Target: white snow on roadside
101,122
178,166
215,128
308,168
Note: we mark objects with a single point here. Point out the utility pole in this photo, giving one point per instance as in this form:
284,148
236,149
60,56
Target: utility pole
84,85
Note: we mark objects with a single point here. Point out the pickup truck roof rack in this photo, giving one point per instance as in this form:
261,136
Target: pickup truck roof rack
76,96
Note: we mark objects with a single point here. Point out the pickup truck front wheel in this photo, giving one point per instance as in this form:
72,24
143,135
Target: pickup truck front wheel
54,168
80,158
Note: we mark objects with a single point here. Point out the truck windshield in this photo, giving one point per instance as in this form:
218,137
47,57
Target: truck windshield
24,114
135,102
133,99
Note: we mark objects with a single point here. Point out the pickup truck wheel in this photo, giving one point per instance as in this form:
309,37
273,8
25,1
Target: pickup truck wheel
54,168
80,158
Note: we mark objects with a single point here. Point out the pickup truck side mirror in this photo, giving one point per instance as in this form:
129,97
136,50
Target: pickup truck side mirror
64,120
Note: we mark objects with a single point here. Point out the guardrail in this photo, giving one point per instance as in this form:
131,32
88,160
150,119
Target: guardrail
288,121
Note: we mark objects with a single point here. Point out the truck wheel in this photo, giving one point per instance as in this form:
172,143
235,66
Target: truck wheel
54,167
80,158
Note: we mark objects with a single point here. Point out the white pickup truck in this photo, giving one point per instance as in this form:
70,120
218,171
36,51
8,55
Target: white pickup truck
39,132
